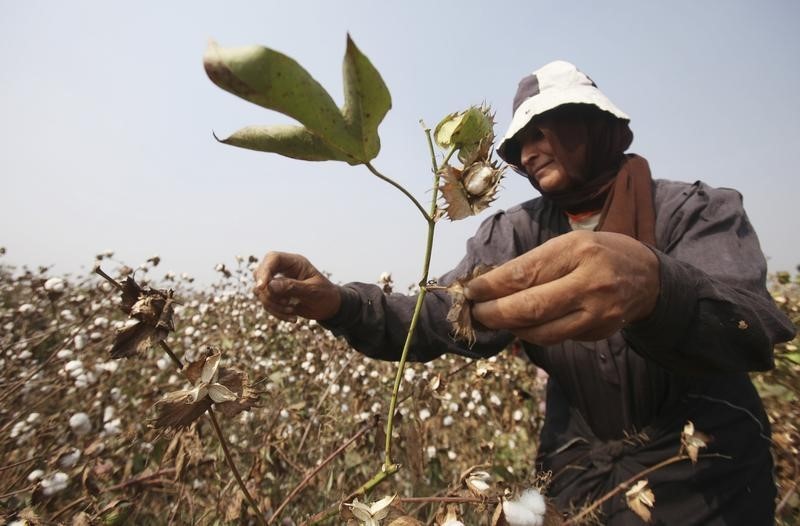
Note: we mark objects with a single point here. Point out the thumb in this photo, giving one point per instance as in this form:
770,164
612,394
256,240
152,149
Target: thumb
281,285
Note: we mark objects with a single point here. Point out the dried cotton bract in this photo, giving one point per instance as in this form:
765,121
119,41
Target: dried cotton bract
460,315
371,514
229,389
152,311
640,500
692,441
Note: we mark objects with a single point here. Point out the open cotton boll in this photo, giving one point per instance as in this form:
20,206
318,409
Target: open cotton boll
80,423
528,510
55,483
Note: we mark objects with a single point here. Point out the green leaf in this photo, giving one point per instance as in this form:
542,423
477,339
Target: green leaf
277,82
287,140
366,100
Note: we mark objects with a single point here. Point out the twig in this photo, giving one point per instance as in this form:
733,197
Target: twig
322,399
108,278
15,492
622,486
232,465
171,354
21,462
311,474
785,500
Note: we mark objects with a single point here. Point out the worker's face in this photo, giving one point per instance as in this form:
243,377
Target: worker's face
539,162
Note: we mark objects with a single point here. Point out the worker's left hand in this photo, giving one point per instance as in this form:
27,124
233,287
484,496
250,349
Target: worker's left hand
579,286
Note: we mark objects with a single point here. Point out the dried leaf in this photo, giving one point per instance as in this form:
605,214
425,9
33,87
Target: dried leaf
89,481
406,520
178,415
136,339
640,500
498,518
239,384
130,294
153,309
414,451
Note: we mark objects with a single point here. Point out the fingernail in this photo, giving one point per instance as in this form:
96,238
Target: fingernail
467,293
260,284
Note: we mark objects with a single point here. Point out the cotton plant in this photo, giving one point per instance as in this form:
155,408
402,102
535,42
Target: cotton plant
326,132
151,313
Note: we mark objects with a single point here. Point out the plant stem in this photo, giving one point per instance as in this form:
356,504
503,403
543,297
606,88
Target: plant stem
171,354
108,278
399,187
229,458
430,219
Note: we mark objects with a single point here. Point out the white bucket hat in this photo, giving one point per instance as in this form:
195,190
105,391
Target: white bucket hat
548,87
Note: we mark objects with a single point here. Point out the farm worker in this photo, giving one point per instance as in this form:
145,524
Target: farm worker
643,299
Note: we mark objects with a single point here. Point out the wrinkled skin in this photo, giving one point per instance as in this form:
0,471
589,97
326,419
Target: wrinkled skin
578,286
288,285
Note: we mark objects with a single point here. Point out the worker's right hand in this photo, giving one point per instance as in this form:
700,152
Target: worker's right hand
288,285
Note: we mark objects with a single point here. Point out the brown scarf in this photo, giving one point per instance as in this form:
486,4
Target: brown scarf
590,145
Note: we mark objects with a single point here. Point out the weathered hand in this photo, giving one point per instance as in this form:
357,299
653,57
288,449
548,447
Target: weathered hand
288,285
580,286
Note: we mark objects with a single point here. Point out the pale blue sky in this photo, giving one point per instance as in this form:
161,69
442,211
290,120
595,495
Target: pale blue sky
107,117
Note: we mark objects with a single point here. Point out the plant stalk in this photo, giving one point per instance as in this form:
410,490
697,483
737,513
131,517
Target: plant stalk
399,187
431,220
232,465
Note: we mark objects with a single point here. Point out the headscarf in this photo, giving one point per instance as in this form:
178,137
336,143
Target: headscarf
590,144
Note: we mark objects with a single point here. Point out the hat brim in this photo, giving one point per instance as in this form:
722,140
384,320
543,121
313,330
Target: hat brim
547,101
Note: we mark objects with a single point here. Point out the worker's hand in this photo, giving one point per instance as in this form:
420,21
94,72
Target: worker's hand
580,286
288,285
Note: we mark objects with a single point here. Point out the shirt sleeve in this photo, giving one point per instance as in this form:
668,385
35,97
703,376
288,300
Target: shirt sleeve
376,323
713,314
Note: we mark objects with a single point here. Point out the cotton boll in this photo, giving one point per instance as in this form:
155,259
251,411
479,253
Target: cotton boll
56,285
54,484
79,341
80,423
35,475
69,459
528,510
113,427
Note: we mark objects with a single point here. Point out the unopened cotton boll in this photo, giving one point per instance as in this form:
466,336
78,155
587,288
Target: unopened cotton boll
528,510
80,423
